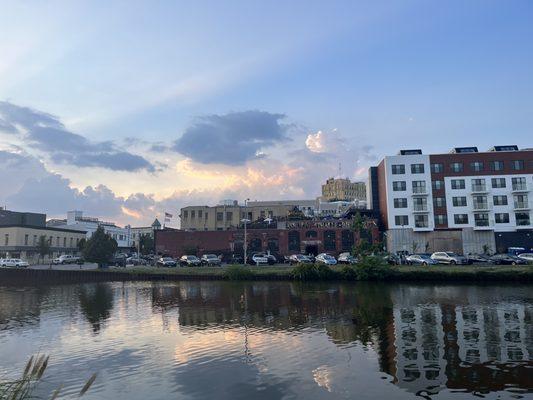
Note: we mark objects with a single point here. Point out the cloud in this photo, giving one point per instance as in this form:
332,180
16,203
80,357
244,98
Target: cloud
325,142
231,139
46,133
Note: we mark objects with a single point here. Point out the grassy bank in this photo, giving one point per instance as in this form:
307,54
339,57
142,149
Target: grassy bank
362,272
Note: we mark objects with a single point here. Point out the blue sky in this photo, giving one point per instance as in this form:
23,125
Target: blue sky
371,77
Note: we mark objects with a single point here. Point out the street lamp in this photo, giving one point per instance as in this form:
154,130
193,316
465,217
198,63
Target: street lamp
245,221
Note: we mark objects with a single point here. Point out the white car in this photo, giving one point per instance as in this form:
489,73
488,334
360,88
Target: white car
448,257
324,258
258,259
13,262
65,259
526,257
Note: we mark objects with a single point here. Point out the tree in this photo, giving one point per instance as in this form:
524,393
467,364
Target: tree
100,248
146,244
43,247
414,247
81,244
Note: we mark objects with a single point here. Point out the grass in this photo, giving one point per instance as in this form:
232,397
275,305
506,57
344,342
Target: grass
366,271
23,387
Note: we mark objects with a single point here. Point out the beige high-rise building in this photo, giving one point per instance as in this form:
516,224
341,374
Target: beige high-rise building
343,189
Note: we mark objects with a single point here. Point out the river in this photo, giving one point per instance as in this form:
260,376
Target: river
272,340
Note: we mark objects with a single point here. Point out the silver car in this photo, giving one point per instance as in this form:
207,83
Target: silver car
448,257
420,259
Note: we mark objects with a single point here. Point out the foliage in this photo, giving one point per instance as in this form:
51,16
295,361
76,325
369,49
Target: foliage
238,273
22,388
146,244
362,248
357,222
43,246
486,249
312,272
414,247
100,247
347,273
81,244
372,268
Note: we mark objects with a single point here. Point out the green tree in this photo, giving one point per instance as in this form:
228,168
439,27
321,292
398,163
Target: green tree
81,244
100,248
43,247
146,243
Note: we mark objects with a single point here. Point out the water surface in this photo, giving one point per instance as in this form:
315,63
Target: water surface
271,340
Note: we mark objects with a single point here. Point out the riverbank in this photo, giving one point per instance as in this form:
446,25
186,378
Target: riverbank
444,273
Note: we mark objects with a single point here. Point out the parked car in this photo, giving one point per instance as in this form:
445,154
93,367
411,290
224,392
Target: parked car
506,259
135,260
514,251
271,259
420,259
346,258
479,259
190,261
13,262
299,258
166,262
324,258
448,257
210,259
392,259
258,259
65,259
528,257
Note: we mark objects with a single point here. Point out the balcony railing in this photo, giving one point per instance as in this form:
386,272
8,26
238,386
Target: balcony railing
481,206
482,222
521,205
523,222
419,190
519,187
479,188
421,224
420,207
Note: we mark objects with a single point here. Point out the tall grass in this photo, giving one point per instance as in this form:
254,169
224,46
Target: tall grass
24,387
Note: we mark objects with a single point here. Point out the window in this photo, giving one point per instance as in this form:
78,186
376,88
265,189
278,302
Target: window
496,165
6,239
439,202
521,201
206,215
26,238
421,221
458,183
311,234
499,200
200,212
417,168
64,242
399,186
420,204
478,185
193,214
329,241
456,167
57,241
517,165
522,219
481,219
220,216
229,215
294,241
480,203
437,168
71,240
460,219
441,219
459,201
401,220
419,186
185,214
347,240
34,240
398,169
437,185
476,166
262,214
501,218
498,183
400,203
519,183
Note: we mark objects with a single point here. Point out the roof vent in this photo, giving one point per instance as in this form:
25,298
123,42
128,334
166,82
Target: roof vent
410,152
464,150
511,147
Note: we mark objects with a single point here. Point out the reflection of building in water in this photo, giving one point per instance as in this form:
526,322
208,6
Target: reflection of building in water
479,347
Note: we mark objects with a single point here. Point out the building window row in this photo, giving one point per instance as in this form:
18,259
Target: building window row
399,169
478,166
479,184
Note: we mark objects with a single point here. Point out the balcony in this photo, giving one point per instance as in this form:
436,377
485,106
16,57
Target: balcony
480,206
521,205
420,191
520,187
420,208
479,189
523,224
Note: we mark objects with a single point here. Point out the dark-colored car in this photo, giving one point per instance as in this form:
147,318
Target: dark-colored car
189,261
479,259
210,259
299,258
505,259
119,260
166,262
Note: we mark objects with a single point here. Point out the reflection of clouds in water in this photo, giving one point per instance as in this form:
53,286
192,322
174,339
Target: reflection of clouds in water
322,376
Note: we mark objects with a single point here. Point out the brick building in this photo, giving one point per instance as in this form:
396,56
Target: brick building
290,237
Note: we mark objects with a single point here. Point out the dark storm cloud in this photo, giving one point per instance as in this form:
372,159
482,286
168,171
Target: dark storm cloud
46,133
231,139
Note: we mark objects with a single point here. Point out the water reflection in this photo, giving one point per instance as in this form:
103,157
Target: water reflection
279,339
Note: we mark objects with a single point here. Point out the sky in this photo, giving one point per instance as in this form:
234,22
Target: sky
128,109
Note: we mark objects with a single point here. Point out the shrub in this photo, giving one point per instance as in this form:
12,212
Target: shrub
372,268
312,272
347,272
238,273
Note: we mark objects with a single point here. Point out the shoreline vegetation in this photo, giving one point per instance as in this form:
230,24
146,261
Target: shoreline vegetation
369,269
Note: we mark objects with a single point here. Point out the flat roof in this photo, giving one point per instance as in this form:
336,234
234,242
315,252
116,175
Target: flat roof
43,228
